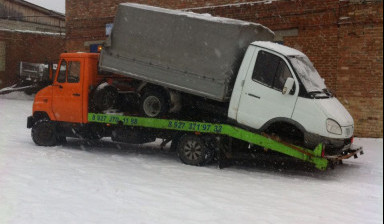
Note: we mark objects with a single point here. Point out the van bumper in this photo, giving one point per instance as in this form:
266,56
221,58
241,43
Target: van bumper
353,151
332,146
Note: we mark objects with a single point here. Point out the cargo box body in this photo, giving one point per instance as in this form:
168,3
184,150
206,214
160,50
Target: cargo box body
192,53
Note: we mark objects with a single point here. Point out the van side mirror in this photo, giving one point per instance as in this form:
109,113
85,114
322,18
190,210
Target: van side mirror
288,86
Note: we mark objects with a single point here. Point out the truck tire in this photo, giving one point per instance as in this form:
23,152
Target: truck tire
105,98
44,133
154,104
193,151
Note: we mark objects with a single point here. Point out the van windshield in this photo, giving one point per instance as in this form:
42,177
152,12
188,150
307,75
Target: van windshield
308,74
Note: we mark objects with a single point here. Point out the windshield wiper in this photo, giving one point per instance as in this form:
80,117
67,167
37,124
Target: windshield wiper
328,92
316,92
315,95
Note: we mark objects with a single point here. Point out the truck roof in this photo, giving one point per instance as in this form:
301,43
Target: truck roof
284,50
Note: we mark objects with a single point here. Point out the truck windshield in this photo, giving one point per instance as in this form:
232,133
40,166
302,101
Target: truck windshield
308,74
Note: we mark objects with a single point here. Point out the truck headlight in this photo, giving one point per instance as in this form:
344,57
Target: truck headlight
333,127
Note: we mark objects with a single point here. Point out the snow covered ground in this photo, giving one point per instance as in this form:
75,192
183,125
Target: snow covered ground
112,183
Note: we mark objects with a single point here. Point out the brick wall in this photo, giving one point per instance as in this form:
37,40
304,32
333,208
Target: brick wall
344,39
27,47
360,66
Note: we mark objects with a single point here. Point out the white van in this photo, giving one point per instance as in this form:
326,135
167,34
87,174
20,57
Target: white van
279,90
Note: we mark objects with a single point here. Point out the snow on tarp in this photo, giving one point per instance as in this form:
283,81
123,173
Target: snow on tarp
194,53
266,2
204,16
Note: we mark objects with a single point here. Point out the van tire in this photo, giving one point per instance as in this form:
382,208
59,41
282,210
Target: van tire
44,133
105,98
154,104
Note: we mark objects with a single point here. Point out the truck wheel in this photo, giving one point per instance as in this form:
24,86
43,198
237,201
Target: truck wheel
193,151
154,104
44,133
105,98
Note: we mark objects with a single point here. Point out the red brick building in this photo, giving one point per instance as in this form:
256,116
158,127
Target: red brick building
27,33
344,39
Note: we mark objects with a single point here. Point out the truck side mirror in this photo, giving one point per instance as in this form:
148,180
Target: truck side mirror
288,86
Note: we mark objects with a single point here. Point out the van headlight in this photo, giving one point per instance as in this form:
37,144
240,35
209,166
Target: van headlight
333,127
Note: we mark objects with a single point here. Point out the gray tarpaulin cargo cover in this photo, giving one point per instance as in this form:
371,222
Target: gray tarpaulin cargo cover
193,53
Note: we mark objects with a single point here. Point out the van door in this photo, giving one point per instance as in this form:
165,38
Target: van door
67,102
262,98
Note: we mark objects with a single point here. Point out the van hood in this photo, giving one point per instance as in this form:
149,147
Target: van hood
333,109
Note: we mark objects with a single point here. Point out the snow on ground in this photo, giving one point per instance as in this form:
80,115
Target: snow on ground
112,183
17,96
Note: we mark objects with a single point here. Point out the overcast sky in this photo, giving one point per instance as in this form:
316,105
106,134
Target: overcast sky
56,5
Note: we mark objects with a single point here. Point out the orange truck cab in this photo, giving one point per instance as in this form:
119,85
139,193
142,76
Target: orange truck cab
67,101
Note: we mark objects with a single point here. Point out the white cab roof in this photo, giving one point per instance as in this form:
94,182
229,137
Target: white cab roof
284,50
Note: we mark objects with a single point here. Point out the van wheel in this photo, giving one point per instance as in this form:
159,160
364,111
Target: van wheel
154,104
193,151
105,98
44,133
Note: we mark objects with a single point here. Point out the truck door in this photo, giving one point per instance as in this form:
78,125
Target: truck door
262,98
67,103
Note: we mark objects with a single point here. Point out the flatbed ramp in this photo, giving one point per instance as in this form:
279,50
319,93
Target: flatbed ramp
315,156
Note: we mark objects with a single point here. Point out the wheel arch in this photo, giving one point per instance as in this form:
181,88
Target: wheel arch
148,86
283,120
99,93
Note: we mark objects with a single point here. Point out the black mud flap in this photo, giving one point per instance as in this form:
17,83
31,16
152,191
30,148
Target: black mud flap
30,122
223,160
224,153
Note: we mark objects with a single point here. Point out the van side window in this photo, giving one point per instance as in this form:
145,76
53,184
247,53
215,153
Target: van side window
265,68
270,70
62,77
74,72
283,73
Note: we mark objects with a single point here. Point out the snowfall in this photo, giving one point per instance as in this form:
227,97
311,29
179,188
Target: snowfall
106,182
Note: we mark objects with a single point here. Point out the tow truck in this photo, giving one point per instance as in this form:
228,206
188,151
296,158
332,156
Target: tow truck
67,109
